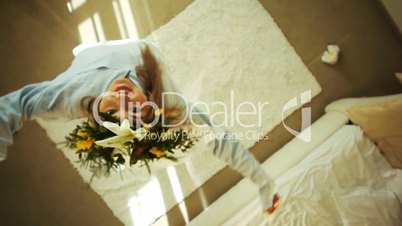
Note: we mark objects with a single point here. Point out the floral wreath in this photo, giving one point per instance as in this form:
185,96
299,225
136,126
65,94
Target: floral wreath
114,144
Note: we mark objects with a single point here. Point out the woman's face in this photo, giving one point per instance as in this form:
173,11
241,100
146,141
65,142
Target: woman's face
123,100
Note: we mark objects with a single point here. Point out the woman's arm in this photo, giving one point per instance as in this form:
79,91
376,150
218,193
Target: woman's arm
227,149
15,107
233,153
61,97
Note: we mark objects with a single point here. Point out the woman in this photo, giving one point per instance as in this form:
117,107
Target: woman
96,81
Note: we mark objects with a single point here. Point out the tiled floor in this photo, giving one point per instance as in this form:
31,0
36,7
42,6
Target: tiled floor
39,187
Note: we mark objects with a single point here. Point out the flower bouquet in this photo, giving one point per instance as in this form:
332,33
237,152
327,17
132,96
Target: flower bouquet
115,144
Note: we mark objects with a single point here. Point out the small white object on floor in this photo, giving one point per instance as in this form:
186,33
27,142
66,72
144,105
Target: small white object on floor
331,55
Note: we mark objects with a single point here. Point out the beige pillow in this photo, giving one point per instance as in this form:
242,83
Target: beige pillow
382,123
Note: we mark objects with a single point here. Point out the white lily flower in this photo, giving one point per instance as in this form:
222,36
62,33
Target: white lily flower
123,133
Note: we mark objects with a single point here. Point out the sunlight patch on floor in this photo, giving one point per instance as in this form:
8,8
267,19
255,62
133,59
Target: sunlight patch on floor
203,198
178,192
98,26
148,204
91,29
125,19
87,31
75,4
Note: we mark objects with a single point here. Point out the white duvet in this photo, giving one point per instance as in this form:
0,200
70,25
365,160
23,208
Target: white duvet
345,181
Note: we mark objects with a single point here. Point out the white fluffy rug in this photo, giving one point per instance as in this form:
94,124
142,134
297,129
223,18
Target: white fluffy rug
212,47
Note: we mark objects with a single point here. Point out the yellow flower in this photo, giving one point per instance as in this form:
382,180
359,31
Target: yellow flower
147,126
82,133
83,145
164,136
158,153
159,112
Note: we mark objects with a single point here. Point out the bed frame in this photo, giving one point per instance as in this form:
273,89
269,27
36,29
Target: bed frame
245,195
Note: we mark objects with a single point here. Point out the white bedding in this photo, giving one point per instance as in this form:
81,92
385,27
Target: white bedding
344,181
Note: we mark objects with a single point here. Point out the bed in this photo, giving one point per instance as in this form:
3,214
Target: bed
339,178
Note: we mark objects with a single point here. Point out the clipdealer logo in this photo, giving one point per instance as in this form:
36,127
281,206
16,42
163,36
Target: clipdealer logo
305,133
231,114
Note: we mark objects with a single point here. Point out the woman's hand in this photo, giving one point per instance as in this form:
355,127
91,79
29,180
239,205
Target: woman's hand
275,204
